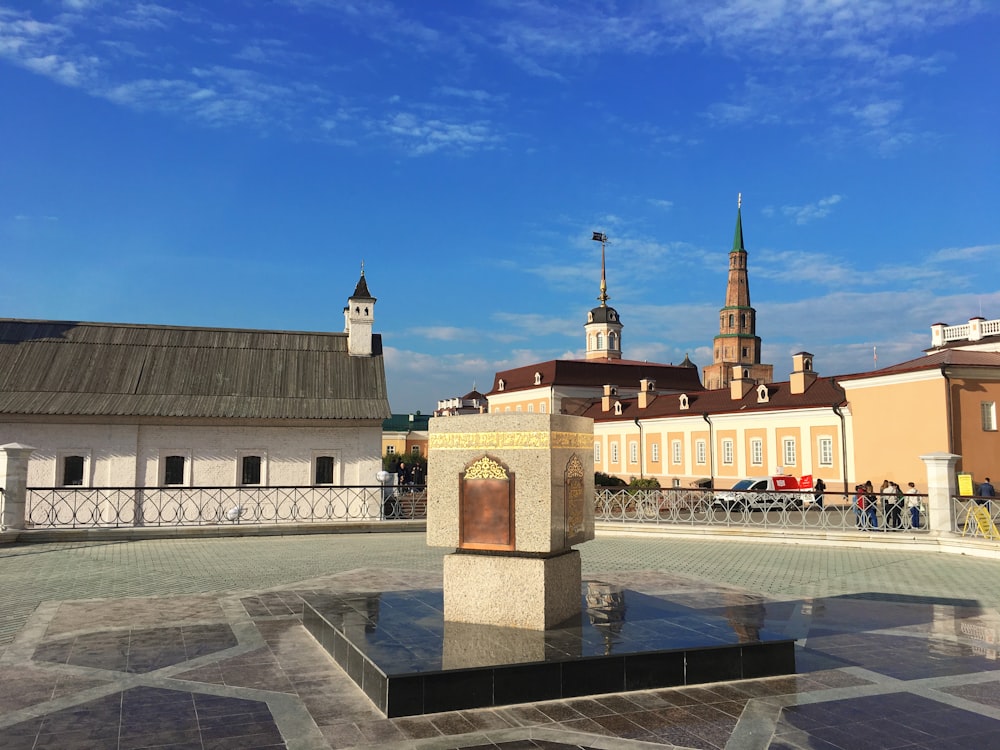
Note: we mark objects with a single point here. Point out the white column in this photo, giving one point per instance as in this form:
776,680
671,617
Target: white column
942,486
14,481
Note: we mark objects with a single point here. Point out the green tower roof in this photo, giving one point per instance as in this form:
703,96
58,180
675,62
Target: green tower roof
738,237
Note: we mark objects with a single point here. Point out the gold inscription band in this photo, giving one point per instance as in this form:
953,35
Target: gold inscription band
484,441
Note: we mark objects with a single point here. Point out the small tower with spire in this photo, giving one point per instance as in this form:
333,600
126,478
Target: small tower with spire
359,317
603,327
737,342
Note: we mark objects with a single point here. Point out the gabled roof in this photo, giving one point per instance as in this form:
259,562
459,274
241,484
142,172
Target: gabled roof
473,395
934,361
822,393
598,372
122,370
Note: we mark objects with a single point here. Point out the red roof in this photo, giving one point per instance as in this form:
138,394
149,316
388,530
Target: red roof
599,372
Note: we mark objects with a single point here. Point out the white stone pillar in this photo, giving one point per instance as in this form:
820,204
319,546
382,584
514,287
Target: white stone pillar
14,480
942,486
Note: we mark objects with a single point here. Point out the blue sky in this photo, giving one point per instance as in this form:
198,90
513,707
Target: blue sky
232,163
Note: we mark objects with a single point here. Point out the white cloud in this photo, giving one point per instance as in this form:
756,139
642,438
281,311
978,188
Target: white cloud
812,211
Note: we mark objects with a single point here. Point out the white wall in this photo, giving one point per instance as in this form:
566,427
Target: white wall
214,451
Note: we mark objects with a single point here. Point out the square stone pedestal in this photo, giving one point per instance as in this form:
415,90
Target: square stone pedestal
512,591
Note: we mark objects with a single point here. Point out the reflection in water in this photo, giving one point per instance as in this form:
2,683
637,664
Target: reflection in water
606,610
746,619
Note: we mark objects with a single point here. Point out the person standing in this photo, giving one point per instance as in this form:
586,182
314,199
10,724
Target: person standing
986,489
818,489
871,506
913,504
894,520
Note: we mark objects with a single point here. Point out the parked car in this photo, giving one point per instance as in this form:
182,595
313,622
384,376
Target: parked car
760,493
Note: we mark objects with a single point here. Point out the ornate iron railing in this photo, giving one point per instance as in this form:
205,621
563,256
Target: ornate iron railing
118,507
977,517
793,510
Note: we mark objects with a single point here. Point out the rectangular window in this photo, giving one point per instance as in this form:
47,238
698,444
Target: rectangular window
614,453
789,451
517,408
72,471
597,453
173,470
727,452
324,469
531,408
390,449
633,453
415,450
989,411
699,452
675,448
654,450
756,452
826,451
250,470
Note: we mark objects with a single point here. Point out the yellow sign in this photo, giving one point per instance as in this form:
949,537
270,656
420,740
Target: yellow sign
979,520
965,485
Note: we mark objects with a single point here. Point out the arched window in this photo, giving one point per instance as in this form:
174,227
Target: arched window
731,319
600,341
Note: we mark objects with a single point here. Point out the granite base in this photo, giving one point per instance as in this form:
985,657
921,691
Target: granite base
408,660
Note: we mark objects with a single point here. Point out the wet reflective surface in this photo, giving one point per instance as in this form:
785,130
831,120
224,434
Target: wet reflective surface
907,658
399,649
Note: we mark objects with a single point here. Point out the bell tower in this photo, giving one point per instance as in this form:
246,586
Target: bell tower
603,327
737,342
359,317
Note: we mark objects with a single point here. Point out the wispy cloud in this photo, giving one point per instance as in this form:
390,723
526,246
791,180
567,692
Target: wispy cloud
426,136
812,211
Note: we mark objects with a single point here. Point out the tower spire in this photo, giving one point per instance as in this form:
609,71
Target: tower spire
603,239
604,327
738,237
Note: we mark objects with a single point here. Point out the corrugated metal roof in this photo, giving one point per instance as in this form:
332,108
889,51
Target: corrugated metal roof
97,369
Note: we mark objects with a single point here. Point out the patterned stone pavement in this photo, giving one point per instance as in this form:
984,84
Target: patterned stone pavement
198,643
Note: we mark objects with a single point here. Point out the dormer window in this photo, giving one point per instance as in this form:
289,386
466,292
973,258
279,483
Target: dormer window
500,384
590,317
538,378
618,408
762,394
684,401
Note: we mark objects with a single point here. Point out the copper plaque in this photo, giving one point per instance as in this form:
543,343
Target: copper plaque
573,509
486,506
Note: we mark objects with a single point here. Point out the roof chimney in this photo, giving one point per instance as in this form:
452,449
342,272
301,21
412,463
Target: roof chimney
803,374
610,391
741,384
647,392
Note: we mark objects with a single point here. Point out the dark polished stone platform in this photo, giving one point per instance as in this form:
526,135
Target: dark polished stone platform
398,648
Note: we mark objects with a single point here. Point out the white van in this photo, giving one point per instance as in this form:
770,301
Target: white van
780,491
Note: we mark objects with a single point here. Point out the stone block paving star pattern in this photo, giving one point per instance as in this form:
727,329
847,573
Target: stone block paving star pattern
199,643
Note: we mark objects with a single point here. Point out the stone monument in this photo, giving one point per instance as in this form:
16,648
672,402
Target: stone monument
512,494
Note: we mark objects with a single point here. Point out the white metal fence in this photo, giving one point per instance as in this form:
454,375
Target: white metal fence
118,507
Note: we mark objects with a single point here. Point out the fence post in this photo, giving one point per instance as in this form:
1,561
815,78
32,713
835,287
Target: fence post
14,481
942,486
